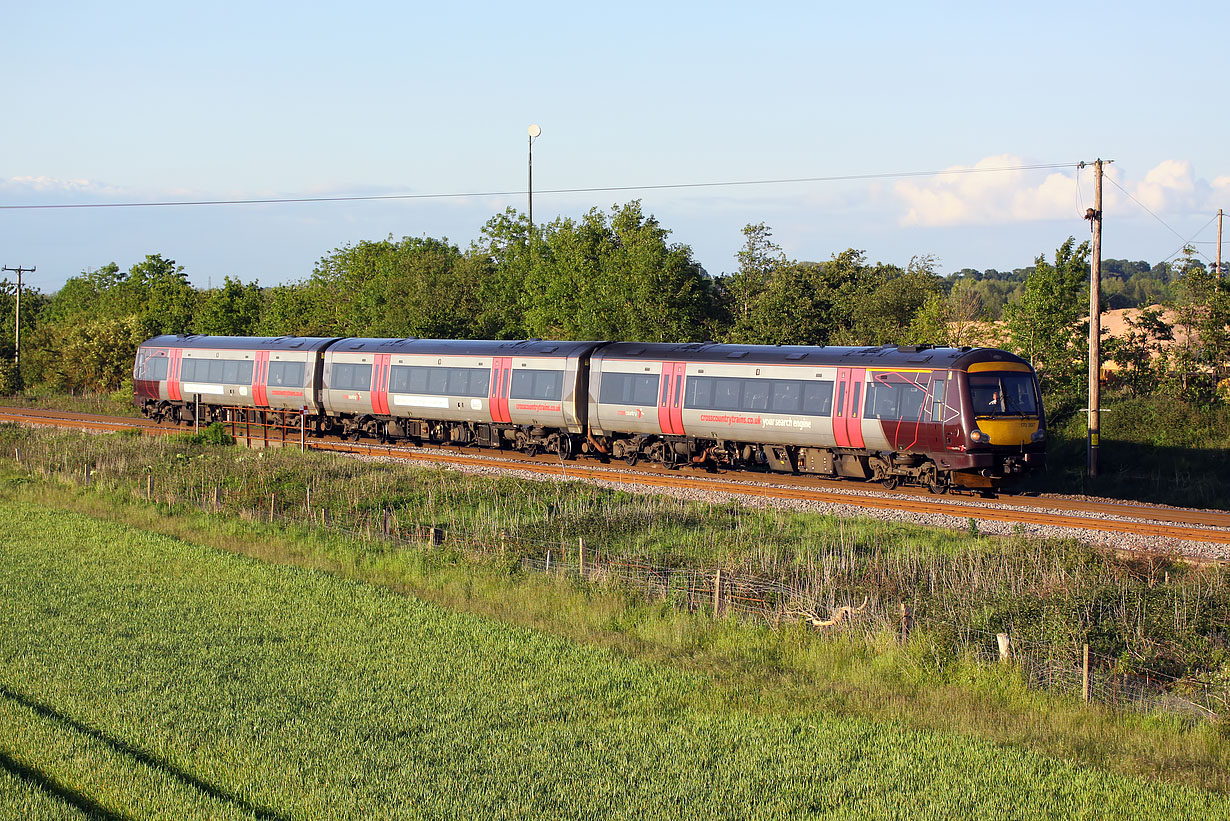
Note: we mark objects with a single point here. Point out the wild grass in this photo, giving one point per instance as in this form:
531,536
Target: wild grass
116,403
785,672
1149,617
147,676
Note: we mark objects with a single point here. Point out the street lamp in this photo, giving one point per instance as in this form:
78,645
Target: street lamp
534,131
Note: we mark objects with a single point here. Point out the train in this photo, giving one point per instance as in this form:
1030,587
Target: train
935,417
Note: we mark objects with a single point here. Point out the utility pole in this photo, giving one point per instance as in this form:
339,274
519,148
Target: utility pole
534,131
1219,216
1094,215
17,324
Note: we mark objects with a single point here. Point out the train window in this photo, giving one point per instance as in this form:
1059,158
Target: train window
841,398
937,400
628,389
818,398
153,367
350,376
285,374
678,389
883,401
727,393
855,388
245,372
912,398
230,371
437,381
787,396
536,384
666,384
756,394
700,392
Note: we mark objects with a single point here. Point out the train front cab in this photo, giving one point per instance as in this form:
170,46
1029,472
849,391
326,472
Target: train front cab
1007,425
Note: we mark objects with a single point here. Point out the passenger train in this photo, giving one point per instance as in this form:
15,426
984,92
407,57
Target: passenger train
936,417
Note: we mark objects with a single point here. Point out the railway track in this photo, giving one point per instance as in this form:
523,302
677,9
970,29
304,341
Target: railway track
1165,525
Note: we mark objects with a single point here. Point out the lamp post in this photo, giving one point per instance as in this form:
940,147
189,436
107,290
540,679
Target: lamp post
534,131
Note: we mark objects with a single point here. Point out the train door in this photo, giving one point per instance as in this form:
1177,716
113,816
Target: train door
260,372
847,410
380,383
501,369
670,398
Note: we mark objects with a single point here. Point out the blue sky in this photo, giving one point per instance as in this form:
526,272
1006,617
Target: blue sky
153,101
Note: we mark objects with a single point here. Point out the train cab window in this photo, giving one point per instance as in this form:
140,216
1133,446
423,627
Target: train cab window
1003,394
537,384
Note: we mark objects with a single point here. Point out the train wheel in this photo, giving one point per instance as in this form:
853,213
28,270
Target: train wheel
938,484
890,482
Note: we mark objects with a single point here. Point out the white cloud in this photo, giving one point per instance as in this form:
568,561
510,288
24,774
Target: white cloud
43,186
1000,197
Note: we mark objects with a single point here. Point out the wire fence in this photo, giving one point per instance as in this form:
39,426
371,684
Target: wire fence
774,601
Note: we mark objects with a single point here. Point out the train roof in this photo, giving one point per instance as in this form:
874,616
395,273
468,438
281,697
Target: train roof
240,343
465,347
879,356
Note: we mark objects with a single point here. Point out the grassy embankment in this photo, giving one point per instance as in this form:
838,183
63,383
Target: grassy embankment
791,671
145,676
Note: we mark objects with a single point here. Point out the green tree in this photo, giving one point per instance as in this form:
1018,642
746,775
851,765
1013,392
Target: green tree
615,276
232,310
1045,325
1202,357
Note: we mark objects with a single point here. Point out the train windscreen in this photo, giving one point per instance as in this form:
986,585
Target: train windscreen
1003,394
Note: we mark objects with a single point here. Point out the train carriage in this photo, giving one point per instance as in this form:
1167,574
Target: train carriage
886,413
174,375
525,394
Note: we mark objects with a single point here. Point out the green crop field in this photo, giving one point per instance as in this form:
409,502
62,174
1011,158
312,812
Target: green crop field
143,676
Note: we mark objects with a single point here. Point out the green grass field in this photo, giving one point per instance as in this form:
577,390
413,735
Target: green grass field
143,676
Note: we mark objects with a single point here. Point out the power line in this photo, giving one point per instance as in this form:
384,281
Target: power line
657,187
1186,241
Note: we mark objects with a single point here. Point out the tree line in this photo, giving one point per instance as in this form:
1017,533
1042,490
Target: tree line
618,275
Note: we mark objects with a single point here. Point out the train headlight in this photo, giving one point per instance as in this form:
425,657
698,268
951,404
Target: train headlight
1039,435
978,436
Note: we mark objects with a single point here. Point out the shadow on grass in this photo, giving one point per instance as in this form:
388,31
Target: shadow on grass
54,788
1186,477
122,748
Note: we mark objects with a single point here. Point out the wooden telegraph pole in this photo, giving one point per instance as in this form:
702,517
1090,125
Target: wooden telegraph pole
1094,215
17,319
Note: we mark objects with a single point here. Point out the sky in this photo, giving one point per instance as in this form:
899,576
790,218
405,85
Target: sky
134,102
